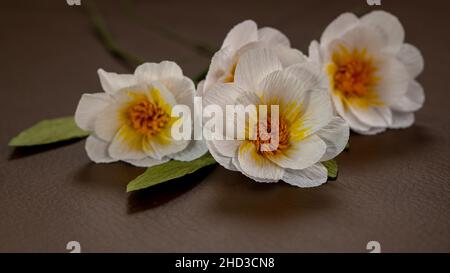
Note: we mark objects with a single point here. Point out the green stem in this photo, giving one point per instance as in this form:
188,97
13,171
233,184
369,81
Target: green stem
105,37
108,42
200,47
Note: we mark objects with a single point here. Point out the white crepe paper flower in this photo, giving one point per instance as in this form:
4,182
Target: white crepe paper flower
241,38
308,130
371,71
131,120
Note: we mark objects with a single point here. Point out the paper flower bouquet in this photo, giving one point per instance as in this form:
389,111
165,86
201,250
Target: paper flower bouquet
264,109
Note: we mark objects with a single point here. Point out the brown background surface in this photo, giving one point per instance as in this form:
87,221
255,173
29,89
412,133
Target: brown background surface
393,187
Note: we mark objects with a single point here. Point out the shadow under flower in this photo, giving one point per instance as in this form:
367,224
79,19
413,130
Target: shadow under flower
243,198
162,193
24,151
112,175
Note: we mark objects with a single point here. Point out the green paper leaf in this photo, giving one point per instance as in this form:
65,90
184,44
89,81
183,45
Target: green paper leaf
49,131
332,168
168,171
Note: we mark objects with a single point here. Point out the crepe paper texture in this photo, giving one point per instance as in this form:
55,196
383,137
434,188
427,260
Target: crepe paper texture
332,168
168,171
49,131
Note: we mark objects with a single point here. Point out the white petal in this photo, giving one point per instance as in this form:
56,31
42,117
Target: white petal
335,135
148,72
289,56
354,123
241,34
302,154
170,148
402,120
286,55
273,36
317,110
183,90
285,87
225,161
222,94
376,116
227,148
390,28
97,150
113,82
310,74
314,52
221,66
349,117
238,167
108,122
394,81
360,37
339,26
371,131
411,57
313,176
194,150
255,165
200,88
126,146
165,93
254,66
412,100
89,106
147,162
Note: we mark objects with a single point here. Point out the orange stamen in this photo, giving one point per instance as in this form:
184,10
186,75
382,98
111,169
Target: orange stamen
355,73
283,137
147,118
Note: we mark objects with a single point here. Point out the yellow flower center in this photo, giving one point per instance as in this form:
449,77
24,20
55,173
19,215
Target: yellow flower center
147,118
353,77
263,136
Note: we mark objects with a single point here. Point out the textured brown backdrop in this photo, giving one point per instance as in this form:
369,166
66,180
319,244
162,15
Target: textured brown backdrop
393,188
